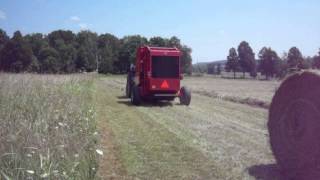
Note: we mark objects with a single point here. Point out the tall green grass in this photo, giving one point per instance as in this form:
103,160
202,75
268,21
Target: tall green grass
47,127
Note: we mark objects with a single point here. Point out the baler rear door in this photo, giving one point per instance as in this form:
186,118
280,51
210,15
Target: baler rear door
165,74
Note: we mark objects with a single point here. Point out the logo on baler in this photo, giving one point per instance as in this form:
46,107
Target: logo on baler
164,85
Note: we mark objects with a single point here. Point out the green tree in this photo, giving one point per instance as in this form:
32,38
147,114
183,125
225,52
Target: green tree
232,62
48,60
106,62
158,41
64,42
67,60
316,61
246,58
186,59
55,38
108,50
128,48
306,63
4,38
268,61
16,55
36,41
174,42
295,59
87,55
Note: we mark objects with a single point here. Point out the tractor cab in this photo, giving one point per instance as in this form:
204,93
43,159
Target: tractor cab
156,76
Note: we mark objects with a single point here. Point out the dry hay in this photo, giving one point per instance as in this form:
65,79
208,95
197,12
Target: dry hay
294,126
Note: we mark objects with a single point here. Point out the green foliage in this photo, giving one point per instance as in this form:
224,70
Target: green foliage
67,58
106,61
34,65
37,42
62,51
4,38
186,59
64,43
316,61
158,41
174,42
16,55
295,58
232,62
246,58
129,45
87,51
108,51
48,60
268,64
55,38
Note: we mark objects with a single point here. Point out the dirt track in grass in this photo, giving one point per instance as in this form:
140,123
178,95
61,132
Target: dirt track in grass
210,139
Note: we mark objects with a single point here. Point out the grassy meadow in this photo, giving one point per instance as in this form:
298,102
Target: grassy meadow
81,127
47,127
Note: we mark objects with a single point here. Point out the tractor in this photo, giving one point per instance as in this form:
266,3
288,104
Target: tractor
156,76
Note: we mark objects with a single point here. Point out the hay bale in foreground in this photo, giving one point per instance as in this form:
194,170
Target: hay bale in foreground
294,126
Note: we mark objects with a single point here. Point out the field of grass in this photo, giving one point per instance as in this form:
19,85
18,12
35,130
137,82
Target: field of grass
239,90
57,126
47,127
211,139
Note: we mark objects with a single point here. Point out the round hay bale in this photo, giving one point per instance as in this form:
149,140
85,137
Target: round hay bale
294,126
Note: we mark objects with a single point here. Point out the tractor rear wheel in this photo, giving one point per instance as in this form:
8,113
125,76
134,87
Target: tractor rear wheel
135,95
185,96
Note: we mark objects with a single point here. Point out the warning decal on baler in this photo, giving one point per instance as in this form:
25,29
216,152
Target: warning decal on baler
164,85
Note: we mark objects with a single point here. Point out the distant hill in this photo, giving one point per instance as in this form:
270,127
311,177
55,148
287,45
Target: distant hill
222,62
203,66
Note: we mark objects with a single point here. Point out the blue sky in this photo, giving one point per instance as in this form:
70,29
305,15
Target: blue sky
209,27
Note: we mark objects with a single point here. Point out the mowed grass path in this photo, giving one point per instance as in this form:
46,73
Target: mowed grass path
210,139
147,149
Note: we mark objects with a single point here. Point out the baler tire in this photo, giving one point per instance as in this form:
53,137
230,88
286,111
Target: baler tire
135,95
294,126
185,96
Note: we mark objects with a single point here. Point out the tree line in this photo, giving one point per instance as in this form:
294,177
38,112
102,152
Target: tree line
63,51
269,63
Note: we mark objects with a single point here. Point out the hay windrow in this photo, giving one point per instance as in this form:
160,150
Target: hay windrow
247,100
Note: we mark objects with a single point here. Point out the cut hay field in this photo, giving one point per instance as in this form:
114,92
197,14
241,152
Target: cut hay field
52,126
213,138
239,90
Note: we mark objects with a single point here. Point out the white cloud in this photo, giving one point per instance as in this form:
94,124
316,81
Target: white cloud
79,22
83,26
75,18
3,15
222,32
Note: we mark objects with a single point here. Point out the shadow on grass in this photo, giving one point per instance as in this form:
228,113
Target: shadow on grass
266,172
150,103
122,97
273,172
